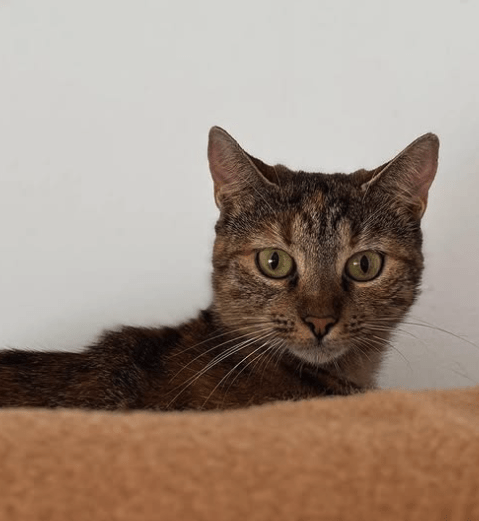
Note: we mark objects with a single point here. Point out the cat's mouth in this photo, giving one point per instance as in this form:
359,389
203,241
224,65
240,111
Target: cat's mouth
318,351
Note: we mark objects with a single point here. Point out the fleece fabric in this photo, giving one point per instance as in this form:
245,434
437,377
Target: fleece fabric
386,455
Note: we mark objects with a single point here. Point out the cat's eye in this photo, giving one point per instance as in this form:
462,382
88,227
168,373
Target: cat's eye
364,266
274,263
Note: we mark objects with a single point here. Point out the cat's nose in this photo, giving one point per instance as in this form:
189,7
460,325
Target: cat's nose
320,326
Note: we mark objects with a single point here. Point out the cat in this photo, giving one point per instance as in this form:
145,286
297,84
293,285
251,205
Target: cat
311,275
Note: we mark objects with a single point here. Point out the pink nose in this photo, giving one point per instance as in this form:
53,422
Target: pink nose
320,326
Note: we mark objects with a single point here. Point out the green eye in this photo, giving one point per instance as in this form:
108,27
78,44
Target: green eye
364,266
274,263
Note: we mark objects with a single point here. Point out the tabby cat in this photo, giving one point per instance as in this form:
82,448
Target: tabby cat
311,275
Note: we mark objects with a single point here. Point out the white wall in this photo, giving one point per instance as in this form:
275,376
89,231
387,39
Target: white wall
106,208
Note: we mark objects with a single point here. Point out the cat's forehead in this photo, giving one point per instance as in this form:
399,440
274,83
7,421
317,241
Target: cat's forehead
312,203
307,208
389,200
308,183
305,226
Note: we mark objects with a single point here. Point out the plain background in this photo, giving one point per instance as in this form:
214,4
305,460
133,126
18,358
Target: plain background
106,207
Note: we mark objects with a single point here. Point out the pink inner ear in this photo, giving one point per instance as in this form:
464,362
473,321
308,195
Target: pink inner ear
427,167
216,158
233,168
225,157
411,173
420,164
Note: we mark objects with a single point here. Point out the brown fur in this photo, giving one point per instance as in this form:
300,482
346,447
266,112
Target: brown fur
254,344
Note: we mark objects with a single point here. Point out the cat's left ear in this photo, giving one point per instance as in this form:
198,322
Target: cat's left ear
410,174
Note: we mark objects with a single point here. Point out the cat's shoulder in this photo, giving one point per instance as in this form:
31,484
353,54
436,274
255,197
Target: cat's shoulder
145,344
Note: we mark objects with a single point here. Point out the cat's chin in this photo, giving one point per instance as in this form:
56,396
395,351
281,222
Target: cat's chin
318,354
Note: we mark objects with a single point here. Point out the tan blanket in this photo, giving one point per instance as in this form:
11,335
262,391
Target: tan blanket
385,456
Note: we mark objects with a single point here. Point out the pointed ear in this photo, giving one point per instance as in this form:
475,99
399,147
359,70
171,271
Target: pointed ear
232,169
410,174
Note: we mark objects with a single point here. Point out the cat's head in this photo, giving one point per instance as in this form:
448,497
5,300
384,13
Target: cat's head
319,266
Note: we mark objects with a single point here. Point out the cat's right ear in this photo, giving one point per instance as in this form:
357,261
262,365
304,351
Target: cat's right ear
232,169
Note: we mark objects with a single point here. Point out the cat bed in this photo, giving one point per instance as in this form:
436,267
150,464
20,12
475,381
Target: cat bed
386,455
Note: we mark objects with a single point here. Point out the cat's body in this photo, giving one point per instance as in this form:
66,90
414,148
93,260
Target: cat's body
312,273
147,368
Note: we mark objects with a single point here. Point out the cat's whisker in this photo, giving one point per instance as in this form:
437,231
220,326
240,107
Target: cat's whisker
460,373
233,368
399,330
258,359
437,328
203,353
225,354
381,342
374,342
279,343
423,324
464,375
361,346
196,376
268,355
336,365
402,331
232,349
383,329
261,357
300,367
225,333
277,354
216,361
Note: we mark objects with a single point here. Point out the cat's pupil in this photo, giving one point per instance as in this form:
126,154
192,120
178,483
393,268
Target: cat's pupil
273,261
364,264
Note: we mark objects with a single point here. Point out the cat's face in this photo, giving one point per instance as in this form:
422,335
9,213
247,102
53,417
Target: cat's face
317,265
